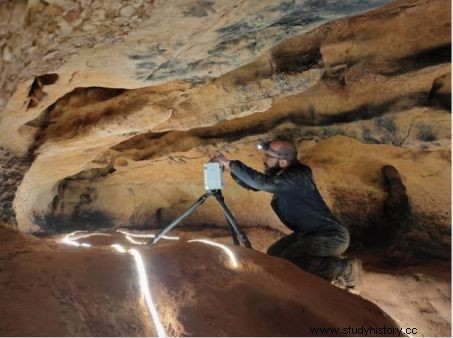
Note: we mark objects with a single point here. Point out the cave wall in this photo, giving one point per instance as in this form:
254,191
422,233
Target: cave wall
12,170
127,101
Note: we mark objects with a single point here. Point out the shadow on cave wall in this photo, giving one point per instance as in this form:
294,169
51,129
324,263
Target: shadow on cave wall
83,220
400,236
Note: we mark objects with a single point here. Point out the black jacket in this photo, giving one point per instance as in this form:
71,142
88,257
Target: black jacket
296,200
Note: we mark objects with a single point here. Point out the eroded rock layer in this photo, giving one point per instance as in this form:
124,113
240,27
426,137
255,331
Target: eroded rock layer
12,170
196,290
127,103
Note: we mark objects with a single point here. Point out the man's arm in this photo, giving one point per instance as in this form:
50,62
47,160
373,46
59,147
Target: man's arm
257,180
300,182
242,184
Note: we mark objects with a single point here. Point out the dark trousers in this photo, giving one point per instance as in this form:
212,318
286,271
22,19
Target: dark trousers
315,252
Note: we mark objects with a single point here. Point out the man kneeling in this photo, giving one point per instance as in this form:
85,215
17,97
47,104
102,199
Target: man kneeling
318,238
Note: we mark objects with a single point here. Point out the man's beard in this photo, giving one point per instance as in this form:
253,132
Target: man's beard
272,171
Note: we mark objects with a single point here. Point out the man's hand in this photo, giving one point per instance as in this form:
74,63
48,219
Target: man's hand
222,160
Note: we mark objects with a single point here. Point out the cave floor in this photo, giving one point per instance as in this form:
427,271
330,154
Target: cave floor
416,296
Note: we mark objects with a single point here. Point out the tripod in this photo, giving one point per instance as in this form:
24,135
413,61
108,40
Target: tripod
236,233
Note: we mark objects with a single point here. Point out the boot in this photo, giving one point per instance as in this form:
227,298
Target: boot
349,279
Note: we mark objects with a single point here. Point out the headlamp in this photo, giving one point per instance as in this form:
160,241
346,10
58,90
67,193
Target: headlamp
263,145
284,154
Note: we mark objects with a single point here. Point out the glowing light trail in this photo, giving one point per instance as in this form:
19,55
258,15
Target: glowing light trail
146,293
143,278
130,239
146,235
136,235
72,240
118,248
227,250
88,235
67,240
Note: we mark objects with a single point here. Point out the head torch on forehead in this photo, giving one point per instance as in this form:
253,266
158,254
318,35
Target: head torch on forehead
265,146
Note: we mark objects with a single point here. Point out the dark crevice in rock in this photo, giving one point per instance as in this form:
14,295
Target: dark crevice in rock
425,58
440,94
396,207
137,141
369,111
36,93
57,120
296,62
396,211
41,123
442,101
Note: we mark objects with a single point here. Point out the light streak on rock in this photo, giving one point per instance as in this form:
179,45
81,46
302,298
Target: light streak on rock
226,249
130,239
144,286
88,235
72,240
68,241
146,235
118,248
143,278
170,237
136,235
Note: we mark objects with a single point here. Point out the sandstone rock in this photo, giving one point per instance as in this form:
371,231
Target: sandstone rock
10,182
127,11
7,56
202,294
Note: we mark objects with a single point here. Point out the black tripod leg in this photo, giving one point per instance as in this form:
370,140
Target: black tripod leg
232,231
242,237
180,218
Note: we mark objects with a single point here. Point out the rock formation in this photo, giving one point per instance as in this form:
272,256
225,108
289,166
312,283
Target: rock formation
195,290
108,111
12,169
120,120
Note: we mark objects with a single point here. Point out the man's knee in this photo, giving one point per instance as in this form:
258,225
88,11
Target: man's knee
282,244
329,243
294,252
298,258
274,250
